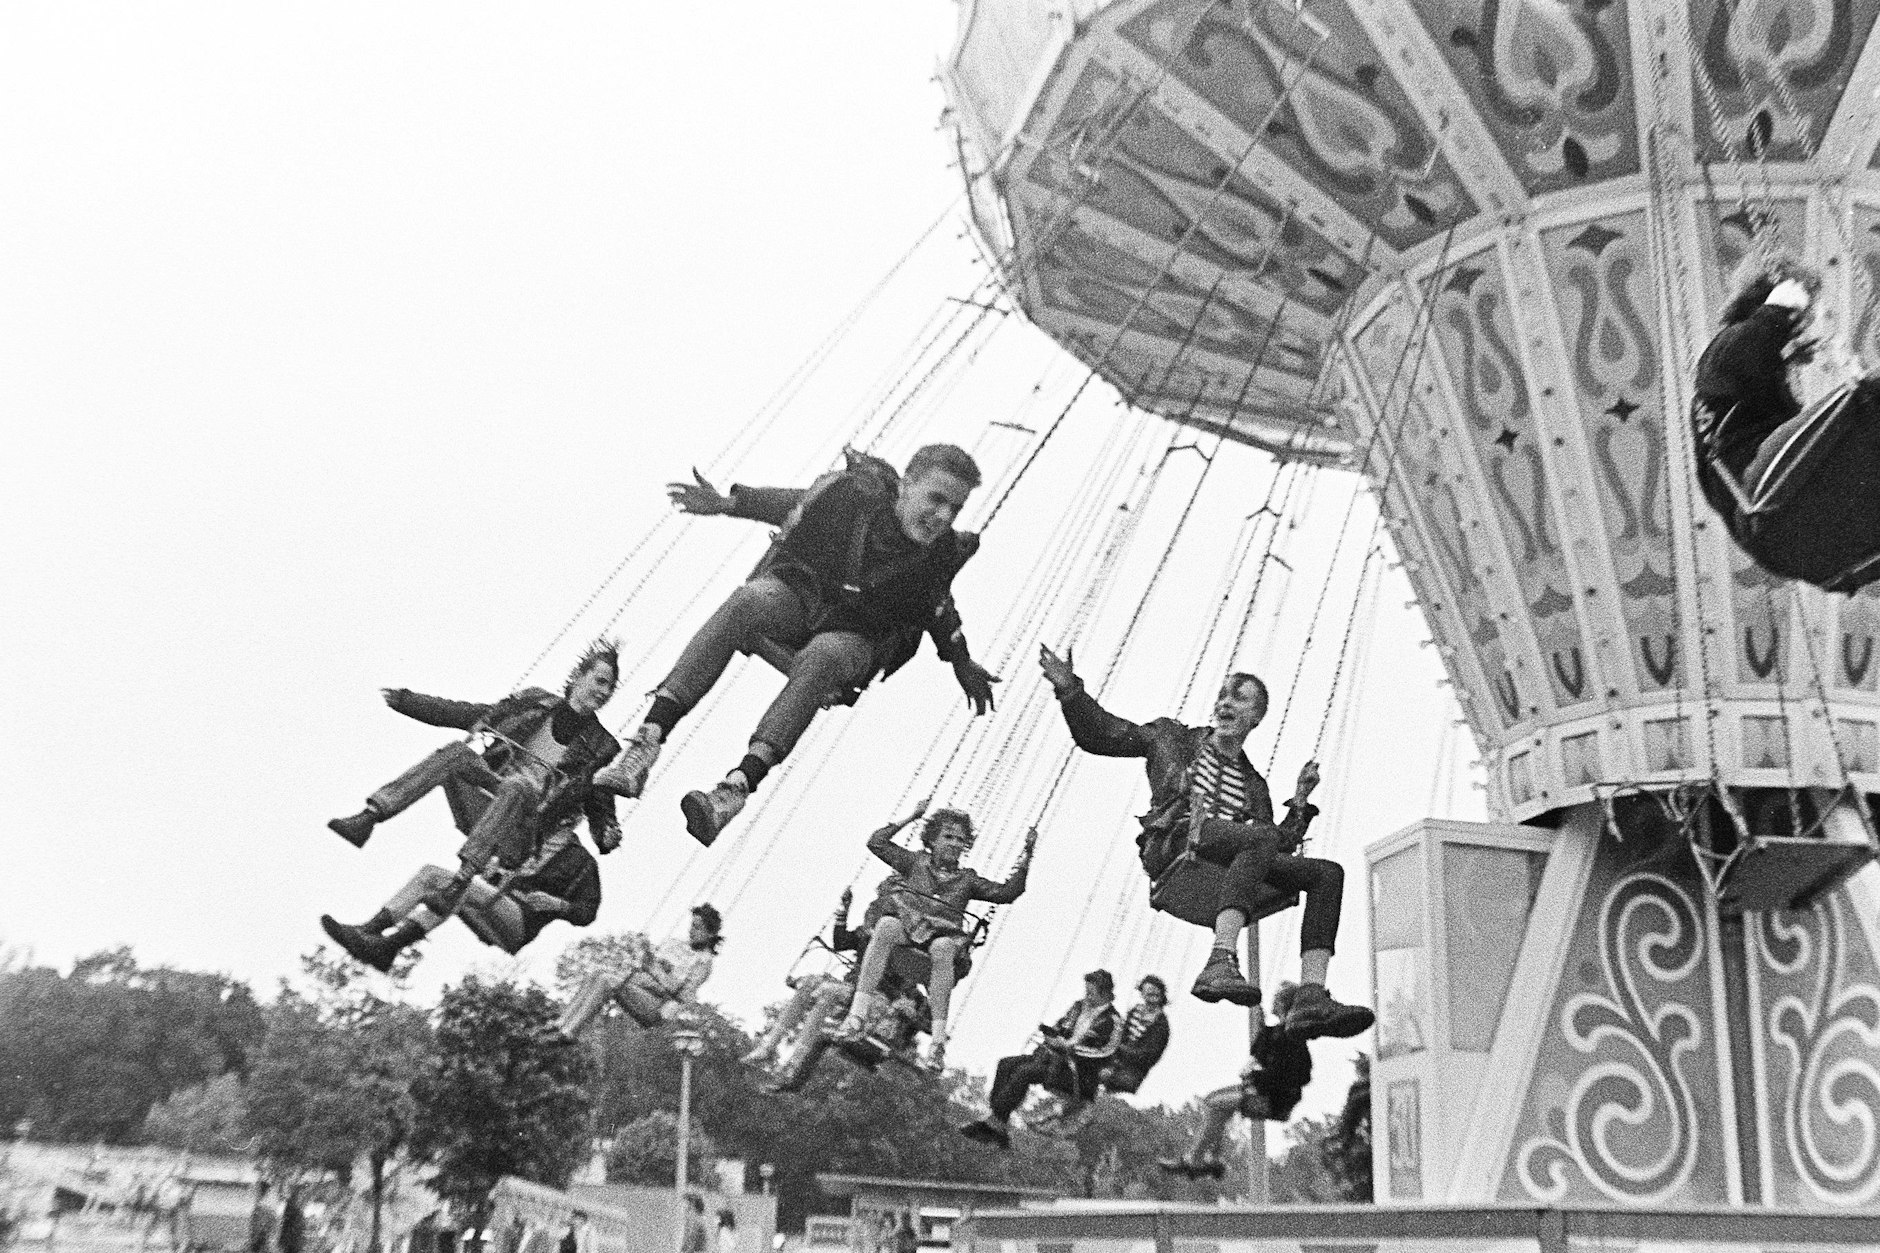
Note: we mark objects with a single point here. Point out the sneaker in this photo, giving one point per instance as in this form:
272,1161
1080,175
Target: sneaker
1220,981
372,950
757,1056
706,813
1315,1014
988,1131
355,830
626,774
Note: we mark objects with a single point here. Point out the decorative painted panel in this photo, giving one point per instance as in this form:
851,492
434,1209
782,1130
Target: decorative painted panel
1777,69
1621,1104
1819,1019
1602,282
1081,274
1400,951
1865,335
1342,121
1550,79
1428,465
1471,322
1150,173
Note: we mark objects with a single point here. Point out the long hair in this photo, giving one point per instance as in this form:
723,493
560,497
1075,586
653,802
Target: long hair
1755,277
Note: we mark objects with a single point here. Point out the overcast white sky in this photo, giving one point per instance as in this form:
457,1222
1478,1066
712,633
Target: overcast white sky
348,345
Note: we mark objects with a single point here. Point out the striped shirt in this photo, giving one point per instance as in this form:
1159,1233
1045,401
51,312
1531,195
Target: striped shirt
1221,784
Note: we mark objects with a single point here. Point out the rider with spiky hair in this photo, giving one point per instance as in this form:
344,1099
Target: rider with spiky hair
538,772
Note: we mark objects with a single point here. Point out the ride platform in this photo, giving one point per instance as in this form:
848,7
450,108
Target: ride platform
1132,1227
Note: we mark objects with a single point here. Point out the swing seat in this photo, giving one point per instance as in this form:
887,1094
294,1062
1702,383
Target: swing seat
1190,889
1809,504
1781,868
915,965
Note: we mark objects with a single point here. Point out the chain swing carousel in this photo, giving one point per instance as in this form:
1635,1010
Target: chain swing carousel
1471,250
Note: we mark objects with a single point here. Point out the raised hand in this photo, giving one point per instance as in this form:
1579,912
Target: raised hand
1057,670
698,496
976,681
1308,779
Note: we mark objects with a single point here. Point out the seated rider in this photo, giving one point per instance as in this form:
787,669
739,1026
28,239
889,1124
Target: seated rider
539,770
819,1001
1795,487
505,908
1145,1039
1271,1083
652,984
863,565
930,914
1203,788
1070,1058
824,991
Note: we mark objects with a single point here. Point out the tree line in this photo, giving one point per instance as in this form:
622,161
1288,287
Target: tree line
332,1076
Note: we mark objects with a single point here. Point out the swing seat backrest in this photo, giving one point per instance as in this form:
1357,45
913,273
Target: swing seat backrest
479,925
1190,889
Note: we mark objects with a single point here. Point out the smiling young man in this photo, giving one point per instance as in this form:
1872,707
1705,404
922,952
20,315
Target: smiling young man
1203,788
864,563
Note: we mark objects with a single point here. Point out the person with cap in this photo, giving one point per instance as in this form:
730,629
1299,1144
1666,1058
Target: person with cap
1069,1059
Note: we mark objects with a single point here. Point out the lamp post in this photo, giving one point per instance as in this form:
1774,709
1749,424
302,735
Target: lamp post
690,1044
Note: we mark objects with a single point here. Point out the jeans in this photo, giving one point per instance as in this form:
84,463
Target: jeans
491,809
827,663
1252,853
495,914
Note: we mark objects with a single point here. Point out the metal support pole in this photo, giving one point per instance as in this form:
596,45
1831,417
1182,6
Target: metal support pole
690,1044
1256,1128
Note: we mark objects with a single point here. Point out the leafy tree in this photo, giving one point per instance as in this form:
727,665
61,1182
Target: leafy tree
647,1151
845,1120
504,1093
334,1078
90,1052
1348,1149
210,1117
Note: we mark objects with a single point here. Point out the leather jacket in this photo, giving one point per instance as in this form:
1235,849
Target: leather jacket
823,553
1168,749
517,717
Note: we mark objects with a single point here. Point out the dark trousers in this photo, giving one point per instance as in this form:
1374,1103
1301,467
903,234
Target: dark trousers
1014,1078
1254,854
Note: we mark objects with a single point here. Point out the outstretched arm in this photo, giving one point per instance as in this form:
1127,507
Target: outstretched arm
435,710
1094,728
1014,887
758,504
